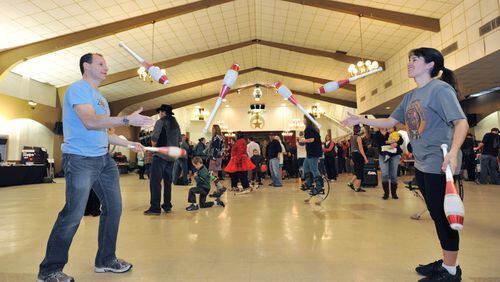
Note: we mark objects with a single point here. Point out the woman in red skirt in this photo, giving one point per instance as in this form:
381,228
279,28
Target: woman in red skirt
240,163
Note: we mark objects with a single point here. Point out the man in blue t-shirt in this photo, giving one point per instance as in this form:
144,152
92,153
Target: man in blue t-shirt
87,165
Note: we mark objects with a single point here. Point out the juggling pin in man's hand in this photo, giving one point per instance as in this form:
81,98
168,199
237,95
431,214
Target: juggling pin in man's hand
153,71
169,151
287,94
334,85
453,205
228,82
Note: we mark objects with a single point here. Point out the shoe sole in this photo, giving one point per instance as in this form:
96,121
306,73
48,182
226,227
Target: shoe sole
107,269
40,280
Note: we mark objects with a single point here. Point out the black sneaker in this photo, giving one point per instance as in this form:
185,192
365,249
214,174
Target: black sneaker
166,209
441,274
115,266
428,269
359,190
58,276
192,207
151,212
350,185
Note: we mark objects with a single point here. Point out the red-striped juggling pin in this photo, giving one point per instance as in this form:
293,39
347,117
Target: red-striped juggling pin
287,94
334,85
153,71
453,205
228,82
170,151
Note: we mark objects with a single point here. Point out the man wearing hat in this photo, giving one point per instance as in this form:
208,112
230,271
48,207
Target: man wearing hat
165,133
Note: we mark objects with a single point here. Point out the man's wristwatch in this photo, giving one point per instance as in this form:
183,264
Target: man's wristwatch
125,121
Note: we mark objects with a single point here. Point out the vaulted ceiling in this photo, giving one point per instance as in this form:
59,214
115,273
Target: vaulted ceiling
303,43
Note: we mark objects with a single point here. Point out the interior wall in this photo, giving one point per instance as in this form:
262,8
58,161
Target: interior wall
26,132
28,89
460,25
486,124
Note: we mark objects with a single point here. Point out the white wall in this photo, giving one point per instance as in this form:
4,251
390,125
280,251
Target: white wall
486,124
17,86
460,25
26,132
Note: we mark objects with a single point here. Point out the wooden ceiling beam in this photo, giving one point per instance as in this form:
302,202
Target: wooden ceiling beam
404,19
117,106
326,99
10,57
341,57
350,87
126,74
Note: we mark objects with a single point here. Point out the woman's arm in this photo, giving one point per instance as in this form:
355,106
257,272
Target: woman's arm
461,128
377,122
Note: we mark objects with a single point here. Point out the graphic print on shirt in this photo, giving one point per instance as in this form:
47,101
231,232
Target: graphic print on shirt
415,119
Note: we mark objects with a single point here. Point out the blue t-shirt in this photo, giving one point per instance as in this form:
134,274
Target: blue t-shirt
79,140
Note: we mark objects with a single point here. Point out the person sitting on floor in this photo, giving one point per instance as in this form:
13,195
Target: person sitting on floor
202,178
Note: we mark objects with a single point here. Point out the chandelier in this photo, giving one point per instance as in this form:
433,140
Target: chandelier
361,66
142,72
257,93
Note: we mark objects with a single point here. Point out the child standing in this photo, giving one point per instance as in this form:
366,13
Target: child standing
257,160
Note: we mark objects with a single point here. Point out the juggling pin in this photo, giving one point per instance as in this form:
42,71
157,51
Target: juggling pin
334,85
170,151
287,94
453,205
228,82
153,71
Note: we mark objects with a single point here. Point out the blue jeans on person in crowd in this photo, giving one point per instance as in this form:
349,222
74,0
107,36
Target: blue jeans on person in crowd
274,166
389,169
82,174
311,172
182,165
489,167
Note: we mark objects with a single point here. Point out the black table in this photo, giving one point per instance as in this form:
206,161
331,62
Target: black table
21,174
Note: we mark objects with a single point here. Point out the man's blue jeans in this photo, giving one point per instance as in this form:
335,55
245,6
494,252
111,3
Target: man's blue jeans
488,167
274,166
311,171
389,169
82,174
182,165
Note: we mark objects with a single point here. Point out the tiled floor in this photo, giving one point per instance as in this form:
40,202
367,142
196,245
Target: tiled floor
267,235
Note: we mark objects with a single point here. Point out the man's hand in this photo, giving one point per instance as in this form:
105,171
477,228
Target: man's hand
136,119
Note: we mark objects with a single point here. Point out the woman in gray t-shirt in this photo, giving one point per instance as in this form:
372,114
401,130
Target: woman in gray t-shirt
432,116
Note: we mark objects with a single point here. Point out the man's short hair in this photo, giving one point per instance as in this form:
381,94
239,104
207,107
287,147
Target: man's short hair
494,129
87,58
197,160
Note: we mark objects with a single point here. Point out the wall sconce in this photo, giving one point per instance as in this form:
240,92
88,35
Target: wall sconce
32,104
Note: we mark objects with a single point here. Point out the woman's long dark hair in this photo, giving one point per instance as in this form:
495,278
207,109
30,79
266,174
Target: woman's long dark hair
310,123
433,55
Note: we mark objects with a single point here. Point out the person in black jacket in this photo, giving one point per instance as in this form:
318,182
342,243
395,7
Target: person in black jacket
166,132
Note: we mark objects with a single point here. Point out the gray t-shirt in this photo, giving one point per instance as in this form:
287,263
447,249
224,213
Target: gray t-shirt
428,114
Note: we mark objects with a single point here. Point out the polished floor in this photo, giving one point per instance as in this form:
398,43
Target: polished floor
267,235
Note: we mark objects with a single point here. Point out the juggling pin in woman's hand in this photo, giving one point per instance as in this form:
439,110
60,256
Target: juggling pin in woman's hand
287,94
453,205
334,85
153,71
228,82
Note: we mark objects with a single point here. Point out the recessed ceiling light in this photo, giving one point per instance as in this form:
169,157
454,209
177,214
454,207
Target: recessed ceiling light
387,108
